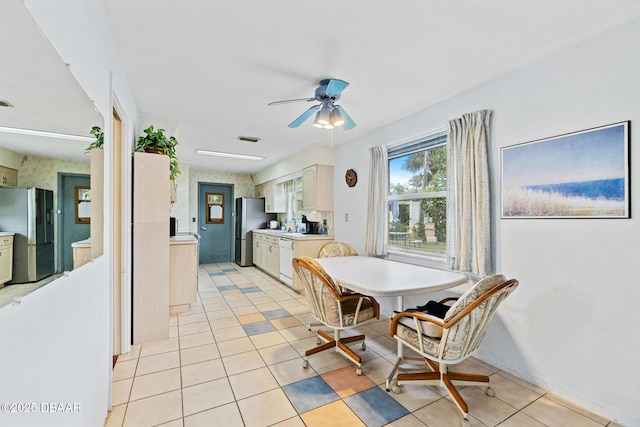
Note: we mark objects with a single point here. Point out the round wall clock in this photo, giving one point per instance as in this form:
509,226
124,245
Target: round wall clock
351,178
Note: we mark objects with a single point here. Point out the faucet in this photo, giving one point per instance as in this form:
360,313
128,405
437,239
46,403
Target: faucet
295,225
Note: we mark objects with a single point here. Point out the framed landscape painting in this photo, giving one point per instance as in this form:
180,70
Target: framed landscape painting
579,175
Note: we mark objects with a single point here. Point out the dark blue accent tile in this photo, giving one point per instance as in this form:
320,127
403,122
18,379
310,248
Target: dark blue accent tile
375,407
310,394
250,290
276,314
216,274
229,270
227,287
258,328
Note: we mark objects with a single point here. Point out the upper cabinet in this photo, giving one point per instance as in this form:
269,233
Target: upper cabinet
8,177
317,188
274,197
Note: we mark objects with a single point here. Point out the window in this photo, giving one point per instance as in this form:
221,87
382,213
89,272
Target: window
417,195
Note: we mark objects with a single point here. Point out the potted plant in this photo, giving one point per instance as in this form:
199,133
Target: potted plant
155,141
99,135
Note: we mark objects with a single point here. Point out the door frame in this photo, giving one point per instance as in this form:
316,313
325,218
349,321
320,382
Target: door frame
59,209
233,214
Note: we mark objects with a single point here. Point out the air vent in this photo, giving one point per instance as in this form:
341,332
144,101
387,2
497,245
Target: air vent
5,103
248,138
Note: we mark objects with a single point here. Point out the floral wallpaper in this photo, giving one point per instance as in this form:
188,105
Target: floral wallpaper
42,172
186,207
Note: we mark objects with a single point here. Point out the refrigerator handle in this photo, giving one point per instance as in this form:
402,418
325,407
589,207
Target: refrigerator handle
49,217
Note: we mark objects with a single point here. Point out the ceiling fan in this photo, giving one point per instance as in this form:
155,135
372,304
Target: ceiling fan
329,115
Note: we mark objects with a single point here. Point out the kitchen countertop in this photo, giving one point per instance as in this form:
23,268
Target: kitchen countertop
86,243
6,233
294,236
183,239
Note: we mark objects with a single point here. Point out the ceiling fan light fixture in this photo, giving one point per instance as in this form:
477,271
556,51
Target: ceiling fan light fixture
324,115
337,119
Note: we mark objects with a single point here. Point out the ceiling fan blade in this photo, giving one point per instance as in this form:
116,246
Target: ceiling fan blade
289,101
348,121
335,87
304,116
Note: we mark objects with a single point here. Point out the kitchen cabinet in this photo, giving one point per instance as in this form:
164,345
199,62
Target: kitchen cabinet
150,299
317,188
274,197
266,253
183,272
8,177
273,253
261,190
81,253
6,258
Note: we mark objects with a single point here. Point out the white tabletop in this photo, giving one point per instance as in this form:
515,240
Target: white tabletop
381,277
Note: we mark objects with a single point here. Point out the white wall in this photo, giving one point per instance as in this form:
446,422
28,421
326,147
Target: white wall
571,325
56,345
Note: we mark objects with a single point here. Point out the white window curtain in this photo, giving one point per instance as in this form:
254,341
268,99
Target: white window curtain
377,243
468,199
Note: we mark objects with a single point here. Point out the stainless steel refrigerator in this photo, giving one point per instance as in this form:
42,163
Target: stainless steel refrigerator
28,212
250,215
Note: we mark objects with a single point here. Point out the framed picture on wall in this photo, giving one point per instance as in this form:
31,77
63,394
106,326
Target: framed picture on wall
215,208
583,174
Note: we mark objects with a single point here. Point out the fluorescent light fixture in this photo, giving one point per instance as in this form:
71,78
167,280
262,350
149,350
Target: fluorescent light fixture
235,156
46,134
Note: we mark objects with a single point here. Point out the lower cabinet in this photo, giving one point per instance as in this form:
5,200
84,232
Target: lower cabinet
183,274
81,253
6,259
266,253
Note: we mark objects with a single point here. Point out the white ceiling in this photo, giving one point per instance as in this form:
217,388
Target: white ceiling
42,90
206,70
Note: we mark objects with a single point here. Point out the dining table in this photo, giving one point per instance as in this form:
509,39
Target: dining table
381,277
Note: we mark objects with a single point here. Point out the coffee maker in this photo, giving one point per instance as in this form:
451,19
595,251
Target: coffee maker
310,227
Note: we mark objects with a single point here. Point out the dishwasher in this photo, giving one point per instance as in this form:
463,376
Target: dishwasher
286,257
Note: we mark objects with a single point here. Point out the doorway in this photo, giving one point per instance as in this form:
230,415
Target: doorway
71,228
215,222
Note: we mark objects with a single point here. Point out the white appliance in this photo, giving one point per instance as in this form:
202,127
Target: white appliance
286,257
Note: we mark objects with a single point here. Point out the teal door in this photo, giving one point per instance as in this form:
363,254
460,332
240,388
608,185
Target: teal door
215,222
71,227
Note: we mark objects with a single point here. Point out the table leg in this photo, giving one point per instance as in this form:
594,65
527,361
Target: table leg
400,350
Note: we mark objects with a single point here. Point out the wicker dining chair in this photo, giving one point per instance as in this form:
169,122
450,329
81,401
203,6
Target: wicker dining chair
450,340
336,309
335,249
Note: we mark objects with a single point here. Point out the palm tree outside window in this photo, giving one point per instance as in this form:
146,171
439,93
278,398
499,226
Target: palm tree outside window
417,195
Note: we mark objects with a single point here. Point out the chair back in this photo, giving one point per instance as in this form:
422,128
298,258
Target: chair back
471,314
336,249
322,292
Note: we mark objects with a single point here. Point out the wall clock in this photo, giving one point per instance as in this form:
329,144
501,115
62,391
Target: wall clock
351,178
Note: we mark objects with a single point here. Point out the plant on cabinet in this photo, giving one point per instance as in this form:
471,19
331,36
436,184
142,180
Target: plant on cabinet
155,141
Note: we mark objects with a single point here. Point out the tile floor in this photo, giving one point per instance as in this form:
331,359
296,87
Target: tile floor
235,360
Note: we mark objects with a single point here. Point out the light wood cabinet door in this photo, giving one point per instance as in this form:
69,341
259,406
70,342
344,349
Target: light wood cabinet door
8,177
151,204
6,263
183,275
317,188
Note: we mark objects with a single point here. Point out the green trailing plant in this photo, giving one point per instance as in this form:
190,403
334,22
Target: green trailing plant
97,132
155,141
